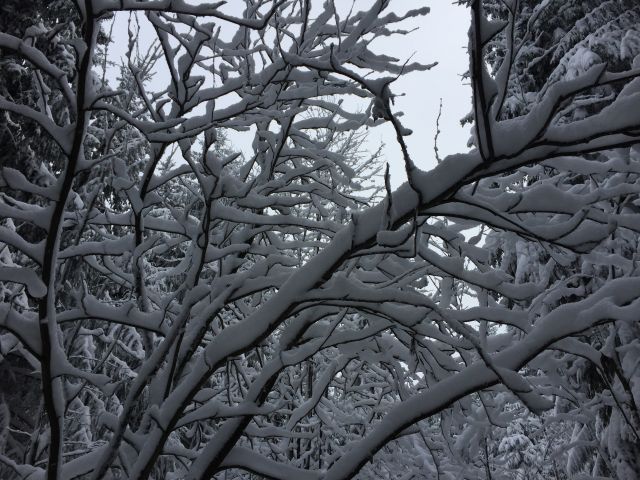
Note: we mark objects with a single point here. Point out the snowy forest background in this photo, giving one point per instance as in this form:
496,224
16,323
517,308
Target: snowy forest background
172,308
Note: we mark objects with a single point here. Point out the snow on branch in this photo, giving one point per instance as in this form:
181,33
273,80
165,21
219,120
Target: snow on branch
180,308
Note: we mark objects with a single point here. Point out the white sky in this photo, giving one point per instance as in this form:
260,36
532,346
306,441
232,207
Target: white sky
441,36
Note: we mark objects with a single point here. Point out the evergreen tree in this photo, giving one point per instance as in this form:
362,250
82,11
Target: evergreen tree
544,43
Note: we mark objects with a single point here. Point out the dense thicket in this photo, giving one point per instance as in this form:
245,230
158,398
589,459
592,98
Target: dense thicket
172,308
596,422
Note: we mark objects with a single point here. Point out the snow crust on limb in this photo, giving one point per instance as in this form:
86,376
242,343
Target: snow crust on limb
179,310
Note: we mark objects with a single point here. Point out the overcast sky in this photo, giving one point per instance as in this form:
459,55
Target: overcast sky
440,36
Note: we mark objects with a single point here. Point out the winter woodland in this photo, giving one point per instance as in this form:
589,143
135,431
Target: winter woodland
172,307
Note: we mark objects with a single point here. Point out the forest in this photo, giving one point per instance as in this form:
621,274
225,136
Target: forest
174,305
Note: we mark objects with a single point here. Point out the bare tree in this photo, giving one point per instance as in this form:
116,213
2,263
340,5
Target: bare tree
194,312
